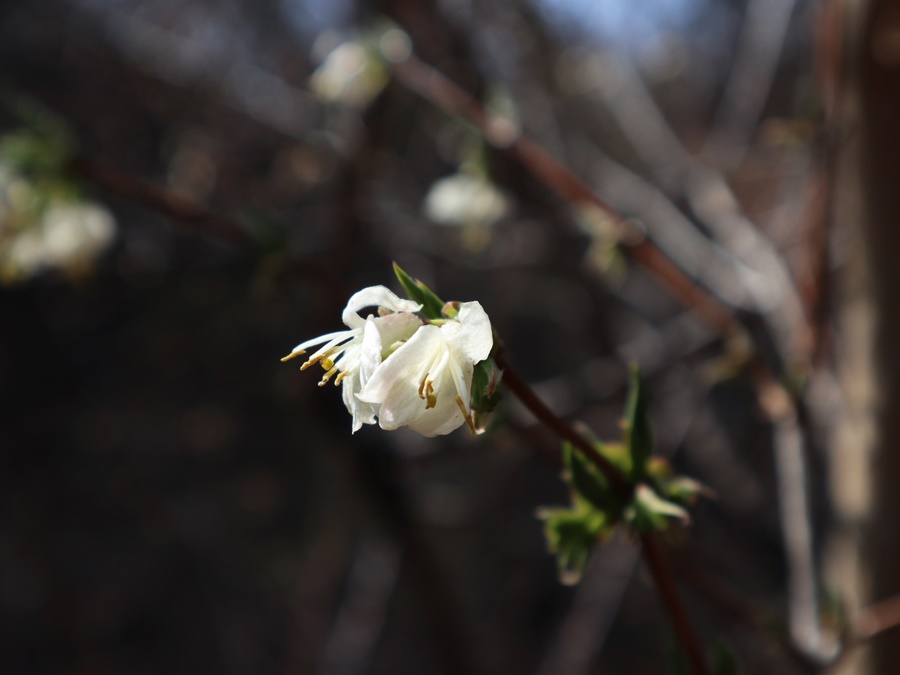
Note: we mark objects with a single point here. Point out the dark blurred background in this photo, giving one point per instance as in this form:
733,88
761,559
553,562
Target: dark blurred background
176,500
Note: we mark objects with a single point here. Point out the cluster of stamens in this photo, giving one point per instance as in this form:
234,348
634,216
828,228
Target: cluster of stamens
323,357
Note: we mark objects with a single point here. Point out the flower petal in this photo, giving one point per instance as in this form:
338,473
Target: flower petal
396,328
375,296
443,418
323,338
394,387
471,337
363,413
370,352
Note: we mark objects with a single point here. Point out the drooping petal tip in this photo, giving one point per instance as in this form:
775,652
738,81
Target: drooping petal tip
375,296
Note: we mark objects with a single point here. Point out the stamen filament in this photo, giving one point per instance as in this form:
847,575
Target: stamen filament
468,416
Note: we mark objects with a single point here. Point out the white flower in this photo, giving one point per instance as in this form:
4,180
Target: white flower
352,74
76,233
356,353
463,199
426,383
67,236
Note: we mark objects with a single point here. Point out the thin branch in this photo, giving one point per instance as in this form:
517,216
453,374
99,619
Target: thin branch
711,200
736,609
546,416
193,216
183,211
867,625
665,583
875,620
797,535
763,32
693,252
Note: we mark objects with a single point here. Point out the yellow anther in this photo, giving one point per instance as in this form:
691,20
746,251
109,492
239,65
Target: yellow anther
327,364
340,377
430,398
327,376
292,355
422,386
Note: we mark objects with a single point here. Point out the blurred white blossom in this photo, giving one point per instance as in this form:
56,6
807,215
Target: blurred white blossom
465,199
40,230
353,73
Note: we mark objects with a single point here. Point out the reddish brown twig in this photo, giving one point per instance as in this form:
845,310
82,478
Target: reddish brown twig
177,208
878,618
665,583
549,419
189,214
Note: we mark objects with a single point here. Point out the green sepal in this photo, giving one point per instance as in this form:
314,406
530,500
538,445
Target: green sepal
638,436
648,512
571,535
432,305
685,491
486,386
450,310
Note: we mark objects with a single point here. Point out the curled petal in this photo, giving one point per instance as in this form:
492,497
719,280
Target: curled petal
471,337
375,296
328,337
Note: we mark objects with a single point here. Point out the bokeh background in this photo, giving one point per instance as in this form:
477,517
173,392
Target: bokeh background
174,499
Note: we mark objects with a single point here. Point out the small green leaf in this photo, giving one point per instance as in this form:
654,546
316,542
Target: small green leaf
616,453
587,480
684,490
432,305
572,534
650,513
638,435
